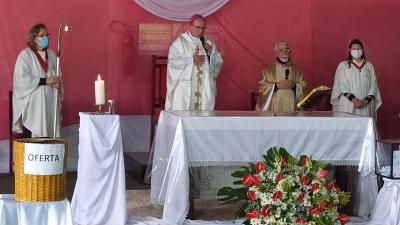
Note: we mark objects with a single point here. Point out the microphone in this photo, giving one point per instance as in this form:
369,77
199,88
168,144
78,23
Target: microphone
287,74
203,42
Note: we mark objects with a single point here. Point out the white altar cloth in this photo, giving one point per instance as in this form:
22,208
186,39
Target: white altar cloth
99,196
28,213
188,139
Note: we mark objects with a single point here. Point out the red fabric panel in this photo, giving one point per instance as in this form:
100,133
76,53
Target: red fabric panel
245,32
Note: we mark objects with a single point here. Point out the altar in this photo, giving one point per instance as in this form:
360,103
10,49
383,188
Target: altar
187,139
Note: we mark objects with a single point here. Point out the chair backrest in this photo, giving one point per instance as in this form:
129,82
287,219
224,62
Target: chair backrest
158,81
158,90
253,100
10,112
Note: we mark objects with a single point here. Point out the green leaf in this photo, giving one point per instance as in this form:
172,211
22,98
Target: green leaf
237,182
238,174
224,191
328,167
247,222
232,195
283,152
271,156
242,211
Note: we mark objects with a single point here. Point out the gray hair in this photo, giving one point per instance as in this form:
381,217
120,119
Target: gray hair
280,42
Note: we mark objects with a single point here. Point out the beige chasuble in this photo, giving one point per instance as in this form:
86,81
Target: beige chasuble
270,98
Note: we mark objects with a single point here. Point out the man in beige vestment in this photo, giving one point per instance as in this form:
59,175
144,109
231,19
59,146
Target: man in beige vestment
282,85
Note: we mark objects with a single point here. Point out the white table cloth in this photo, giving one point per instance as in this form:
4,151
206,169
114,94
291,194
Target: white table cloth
99,196
29,213
387,207
188,139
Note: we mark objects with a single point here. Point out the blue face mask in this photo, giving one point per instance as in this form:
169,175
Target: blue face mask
44,42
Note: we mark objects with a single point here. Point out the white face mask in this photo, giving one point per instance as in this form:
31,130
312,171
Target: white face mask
356,53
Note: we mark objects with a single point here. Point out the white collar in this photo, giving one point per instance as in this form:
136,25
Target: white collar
358,63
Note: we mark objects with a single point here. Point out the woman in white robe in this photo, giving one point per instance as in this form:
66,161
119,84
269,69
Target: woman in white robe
33,87
355,89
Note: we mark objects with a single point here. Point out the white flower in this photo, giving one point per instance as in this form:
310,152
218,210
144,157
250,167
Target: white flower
262,175
255,221
270,220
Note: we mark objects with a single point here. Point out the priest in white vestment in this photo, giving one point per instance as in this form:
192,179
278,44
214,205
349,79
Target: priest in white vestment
34,87
355,89
193,66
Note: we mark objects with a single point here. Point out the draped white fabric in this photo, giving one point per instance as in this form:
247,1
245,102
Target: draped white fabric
28,213
99,196
181,10
188,139
387,207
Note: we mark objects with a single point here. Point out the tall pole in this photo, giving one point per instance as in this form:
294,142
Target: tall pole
56,92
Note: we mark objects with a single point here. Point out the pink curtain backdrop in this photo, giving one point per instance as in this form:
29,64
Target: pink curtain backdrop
181,10
112,38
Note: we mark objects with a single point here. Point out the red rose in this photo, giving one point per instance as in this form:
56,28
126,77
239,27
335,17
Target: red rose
304,180
301,220
276,196
305,161
322,173
252,214
282,160
266,211
279,177
314,187
247,180
322,205
301,197
343,218
251,195
260,166
330,185
314,211
256,180
337,188
330,204
250,180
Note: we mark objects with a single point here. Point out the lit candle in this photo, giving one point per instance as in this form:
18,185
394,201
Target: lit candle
99,91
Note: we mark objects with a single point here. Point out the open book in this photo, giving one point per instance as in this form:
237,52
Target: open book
312,99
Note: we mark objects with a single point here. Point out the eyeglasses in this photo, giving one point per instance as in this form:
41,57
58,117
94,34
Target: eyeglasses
43,35
199,27
285,50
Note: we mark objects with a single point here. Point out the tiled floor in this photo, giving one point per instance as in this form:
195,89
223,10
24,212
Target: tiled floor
7,184
138,199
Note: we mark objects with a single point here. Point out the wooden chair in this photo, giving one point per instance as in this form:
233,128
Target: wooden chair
158,90
11,135
253,100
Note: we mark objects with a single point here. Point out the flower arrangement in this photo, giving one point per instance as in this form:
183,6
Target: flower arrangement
287,190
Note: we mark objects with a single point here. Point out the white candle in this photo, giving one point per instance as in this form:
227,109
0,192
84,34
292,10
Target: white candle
99,91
